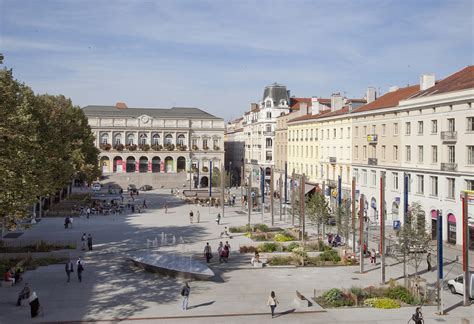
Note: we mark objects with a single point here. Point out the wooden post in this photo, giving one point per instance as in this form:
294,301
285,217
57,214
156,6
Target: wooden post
280,187
353,214
302,214
293,198
382,227
271,195
361,238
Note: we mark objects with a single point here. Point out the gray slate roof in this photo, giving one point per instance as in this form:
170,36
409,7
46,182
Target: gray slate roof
174,112
276,92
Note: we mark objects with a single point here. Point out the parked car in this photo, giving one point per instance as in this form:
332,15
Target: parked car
132,188
96,186
456,285
146,188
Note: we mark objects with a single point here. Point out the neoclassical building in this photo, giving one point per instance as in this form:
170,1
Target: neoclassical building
156,140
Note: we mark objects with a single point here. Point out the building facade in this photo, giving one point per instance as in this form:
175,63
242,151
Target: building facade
234,144
154,141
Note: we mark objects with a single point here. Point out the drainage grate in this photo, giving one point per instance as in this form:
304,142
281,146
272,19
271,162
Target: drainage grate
13,235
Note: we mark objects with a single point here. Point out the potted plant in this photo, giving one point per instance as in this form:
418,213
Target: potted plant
119,147
205,169
216,148
144,147
195,147
105,146
156,147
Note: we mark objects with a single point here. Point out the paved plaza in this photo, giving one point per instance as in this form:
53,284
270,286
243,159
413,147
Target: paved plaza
113,289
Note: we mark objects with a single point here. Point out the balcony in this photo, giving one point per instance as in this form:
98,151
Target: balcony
331,183
372,161
449,136
372,138
332,160
452,167
269,133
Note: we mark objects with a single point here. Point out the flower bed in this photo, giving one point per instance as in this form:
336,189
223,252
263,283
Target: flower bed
39,246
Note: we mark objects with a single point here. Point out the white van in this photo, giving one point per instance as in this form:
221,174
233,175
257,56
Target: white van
456,285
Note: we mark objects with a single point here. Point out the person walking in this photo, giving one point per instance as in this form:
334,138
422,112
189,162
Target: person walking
34,304
208,252
272,302
227,248
83,241
88,212
220,249
218,219
428,261
66,222
89,242
166,208
198,216
373,257
80,268
185,293
144,204
69,269
191,216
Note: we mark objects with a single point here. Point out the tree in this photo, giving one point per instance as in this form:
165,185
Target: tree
413,238
343,220
317,209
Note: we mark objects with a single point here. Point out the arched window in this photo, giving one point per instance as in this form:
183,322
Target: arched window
168,139
104,138
180,139
156,139
268,103
130,139
269,142
118,139
143,138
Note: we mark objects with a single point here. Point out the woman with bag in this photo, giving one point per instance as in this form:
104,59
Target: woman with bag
272,302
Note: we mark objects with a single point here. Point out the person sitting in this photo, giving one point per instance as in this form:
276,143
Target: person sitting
17,275
337,240
8,276
24,294
225,233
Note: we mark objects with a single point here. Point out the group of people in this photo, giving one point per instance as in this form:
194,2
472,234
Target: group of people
86,240
26,294
191,216
223,250
69,267
334,240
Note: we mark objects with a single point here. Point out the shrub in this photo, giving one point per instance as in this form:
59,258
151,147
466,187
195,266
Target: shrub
259,237
247,249
248,234
261,227
402,294
333,295
280,260
267,247
385,303
314,261
283,237
292,246
240,229
358,292
330,255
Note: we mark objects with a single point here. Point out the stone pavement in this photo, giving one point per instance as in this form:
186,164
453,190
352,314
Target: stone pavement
113,289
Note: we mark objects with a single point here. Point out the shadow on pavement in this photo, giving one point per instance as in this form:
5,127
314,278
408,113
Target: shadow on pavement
202,305
285,312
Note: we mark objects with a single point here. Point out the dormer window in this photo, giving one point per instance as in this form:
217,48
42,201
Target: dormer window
268,103
283,102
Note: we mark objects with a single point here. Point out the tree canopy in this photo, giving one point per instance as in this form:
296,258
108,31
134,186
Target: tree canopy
45,142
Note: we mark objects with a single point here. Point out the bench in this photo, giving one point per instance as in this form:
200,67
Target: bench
302,301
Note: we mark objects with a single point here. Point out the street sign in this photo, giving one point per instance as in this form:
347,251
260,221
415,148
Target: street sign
396,224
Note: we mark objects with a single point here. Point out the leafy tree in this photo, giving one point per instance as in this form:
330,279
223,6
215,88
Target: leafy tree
317,209
343,219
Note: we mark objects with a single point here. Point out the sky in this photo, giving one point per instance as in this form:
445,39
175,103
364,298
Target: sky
219,55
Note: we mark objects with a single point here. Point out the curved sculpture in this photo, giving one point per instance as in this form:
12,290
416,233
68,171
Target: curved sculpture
173,265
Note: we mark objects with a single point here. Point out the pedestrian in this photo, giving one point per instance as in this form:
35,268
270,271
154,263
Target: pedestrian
218,219
428,261
208,252
225,253
144,204
225,233
34,304
88,212
272,302
220,249
373,256
227,247
66,222
80,268
364,249
185,293
69,269
191,216
166,208
198,216
24,294
83,241
89,242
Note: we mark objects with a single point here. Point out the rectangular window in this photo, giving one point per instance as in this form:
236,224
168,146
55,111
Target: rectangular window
383,129
451,154
395,128
364,176
356,131
470,154
365,151
395,152
373,177
420,153
420,128
470,124
322,134
434,126
469,184
334,133
383,152
451,125
356,152
374,129
408,153
451,187
409,182
420,184
407,128
365,130
327,133
395,180
341,133
348,132
434,154
434,186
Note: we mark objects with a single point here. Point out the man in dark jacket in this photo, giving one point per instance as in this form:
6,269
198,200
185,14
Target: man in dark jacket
185,293
69,268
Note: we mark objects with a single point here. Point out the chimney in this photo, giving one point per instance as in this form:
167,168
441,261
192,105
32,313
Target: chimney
253,106
427,81
304,108
370,95
336,101
121,105
393,88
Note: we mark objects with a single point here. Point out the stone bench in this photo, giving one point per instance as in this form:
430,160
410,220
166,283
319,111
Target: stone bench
302,301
